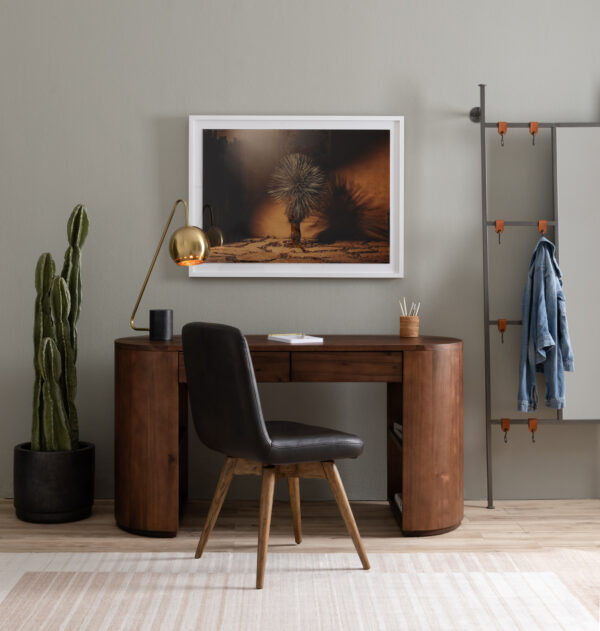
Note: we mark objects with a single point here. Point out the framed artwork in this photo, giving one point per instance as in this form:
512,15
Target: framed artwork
299,196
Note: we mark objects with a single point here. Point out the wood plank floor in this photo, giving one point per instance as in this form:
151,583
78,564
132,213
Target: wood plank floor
512,525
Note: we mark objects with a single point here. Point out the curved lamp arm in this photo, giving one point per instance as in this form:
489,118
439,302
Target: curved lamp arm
164,234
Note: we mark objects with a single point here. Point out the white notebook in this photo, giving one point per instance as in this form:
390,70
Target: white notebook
295,338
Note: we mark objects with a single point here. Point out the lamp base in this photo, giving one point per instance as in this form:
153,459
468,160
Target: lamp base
161,324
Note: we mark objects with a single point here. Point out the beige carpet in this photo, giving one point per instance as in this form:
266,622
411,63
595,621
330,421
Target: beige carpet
115,591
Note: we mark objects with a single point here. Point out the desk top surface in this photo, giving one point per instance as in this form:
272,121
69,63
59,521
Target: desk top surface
330,343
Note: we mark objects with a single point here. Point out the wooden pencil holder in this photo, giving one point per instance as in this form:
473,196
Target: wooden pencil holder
409,326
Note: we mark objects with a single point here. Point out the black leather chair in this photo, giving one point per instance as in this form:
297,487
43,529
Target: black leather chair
228,418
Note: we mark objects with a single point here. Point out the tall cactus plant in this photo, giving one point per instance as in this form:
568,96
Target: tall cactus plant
57,306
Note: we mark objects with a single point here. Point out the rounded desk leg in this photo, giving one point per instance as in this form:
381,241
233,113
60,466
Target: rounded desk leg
147,442
432,445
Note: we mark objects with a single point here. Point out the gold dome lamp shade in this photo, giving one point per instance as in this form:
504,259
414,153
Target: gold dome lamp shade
189,246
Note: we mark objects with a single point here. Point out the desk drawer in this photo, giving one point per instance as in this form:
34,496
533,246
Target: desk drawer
268,366
347,366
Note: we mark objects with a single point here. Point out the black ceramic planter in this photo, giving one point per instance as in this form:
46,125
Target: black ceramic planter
54,486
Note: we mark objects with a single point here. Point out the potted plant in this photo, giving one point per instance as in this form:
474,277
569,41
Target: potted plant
54,473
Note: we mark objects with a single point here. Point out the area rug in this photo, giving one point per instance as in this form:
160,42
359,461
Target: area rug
305,591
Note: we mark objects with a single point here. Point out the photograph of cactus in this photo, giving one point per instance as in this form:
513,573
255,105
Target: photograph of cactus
318,196
290,196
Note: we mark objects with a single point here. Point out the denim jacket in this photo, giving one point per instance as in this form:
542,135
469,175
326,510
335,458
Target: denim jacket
545,344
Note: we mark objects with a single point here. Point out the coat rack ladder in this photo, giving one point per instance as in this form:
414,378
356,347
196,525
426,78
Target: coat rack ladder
478,115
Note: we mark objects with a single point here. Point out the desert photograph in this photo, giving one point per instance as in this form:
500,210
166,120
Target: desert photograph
298,195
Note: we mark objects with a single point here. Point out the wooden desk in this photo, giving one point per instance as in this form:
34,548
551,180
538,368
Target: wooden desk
424,394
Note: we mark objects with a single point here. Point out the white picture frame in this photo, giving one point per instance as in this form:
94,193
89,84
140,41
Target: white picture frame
394,268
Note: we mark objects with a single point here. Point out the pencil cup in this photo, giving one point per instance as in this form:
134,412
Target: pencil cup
409,326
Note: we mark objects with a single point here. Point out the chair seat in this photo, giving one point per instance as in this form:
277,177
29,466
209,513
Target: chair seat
296,442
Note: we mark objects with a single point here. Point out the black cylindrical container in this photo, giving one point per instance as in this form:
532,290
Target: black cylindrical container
161,324
53,487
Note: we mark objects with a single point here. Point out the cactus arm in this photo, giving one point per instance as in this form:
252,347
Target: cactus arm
77,230
48,418
78,226
63,435
47,277
72,276
54,416
36,438
61,307
43,326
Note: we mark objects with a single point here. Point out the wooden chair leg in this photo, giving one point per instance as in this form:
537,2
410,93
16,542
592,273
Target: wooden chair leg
215,505
264,522
337,488
294,490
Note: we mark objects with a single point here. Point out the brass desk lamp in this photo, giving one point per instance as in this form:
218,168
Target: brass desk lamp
189,246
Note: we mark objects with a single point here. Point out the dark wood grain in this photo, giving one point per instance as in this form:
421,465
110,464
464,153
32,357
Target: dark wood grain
330,366
183,445
432,446
394,449
331,342
147,442
269,367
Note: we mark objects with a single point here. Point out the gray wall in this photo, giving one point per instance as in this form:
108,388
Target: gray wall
95,99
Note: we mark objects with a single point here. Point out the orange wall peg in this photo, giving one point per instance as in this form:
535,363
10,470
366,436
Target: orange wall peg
533,130
505,424
532,423
502,129
502,328
499,228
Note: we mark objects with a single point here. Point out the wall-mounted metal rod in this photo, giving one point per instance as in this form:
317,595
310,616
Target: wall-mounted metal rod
547,421
486,297
513,322
522,223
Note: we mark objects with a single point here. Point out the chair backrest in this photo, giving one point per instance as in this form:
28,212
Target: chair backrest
222,390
